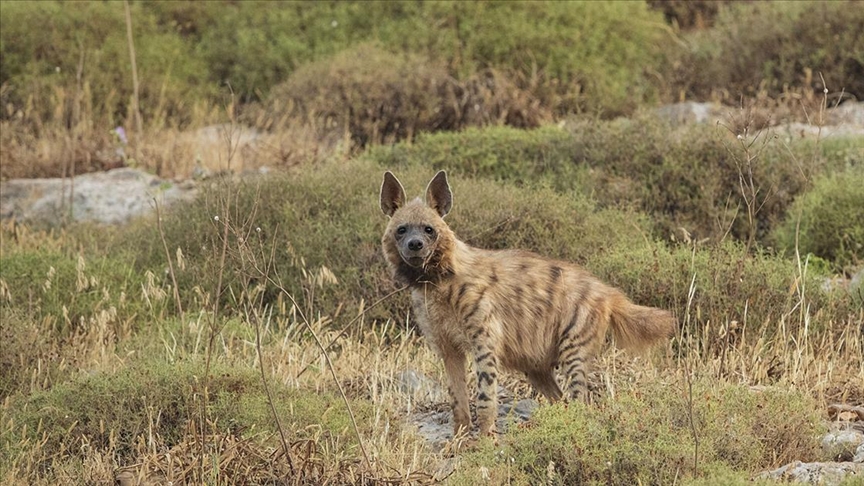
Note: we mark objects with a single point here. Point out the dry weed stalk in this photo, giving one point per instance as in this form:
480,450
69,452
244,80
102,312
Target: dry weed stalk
176,289
265,269
136,110
751,146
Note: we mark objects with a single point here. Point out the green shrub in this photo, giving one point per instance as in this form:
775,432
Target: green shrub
777,46
731,284
644,436
828,220
542,155
597,56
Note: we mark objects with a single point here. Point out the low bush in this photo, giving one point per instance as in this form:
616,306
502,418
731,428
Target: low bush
116,410
372,96
644,436
828,220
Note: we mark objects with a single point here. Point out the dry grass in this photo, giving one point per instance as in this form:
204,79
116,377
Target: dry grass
76,140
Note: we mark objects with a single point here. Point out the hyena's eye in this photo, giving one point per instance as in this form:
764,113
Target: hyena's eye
401,230
429,230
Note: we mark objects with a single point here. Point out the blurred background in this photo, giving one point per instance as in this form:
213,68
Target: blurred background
327,76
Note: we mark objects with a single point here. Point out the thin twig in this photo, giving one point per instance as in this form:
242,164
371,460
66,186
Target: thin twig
329,365
688,370
285,447
351,323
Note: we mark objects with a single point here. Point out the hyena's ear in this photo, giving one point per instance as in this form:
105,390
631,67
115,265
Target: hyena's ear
438,195
392,194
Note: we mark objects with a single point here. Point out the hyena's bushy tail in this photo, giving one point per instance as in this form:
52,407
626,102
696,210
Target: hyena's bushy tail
636,327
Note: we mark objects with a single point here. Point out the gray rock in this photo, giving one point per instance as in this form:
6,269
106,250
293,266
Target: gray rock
109,197
842,444
847,120
436,426
850,112
525,408
859,454
420,386
445,468
689,112
795,130
824,473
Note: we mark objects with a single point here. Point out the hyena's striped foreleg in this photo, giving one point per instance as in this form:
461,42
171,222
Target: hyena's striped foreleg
576,350
487,378
454,365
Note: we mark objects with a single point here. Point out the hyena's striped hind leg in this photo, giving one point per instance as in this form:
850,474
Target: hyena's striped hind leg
576,348
486,365
544,382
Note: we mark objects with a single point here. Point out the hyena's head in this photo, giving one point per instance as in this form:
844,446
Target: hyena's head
418,243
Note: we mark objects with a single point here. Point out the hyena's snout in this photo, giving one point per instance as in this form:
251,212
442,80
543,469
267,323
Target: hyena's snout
415,247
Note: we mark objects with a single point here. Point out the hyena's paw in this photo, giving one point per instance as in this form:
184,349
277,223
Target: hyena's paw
461,442
488,431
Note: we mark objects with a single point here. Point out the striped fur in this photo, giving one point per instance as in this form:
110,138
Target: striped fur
506,309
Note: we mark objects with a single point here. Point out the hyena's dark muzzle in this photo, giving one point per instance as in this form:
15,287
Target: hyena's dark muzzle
415,244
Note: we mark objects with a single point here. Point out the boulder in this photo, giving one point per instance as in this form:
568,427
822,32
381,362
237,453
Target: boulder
110,197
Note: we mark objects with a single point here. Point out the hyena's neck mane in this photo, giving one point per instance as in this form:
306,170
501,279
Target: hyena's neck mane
440,266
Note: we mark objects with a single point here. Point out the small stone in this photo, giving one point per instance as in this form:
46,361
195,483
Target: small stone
420,386
525,407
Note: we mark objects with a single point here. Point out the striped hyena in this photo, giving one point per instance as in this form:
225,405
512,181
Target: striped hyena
507,309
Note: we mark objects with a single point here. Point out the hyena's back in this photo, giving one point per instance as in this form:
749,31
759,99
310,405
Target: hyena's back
547,310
